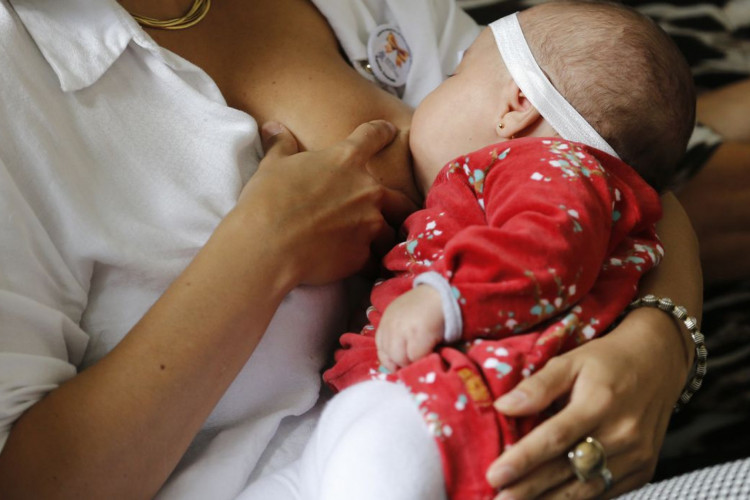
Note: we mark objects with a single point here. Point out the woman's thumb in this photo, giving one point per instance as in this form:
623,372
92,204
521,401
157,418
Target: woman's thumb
278,140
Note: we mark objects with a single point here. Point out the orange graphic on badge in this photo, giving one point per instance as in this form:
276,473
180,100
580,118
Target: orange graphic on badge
402,55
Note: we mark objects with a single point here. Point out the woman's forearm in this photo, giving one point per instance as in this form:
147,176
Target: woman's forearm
717,201
725,110
119,428
679,274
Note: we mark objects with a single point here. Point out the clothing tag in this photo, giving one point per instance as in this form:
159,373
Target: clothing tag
389,55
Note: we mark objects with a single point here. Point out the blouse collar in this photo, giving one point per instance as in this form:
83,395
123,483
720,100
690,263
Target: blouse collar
80,39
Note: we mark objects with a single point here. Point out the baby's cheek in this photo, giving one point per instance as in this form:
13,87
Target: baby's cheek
429,155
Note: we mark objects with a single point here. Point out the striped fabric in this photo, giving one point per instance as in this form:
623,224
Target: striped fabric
729,481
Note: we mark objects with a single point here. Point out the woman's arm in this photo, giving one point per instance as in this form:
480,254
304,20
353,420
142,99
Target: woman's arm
118,429
725,111
717,199
620,389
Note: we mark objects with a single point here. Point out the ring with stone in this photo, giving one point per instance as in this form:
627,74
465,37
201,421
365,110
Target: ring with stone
587,460
607,477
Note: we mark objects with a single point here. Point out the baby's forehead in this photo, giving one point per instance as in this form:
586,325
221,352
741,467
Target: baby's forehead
484,42
484,55
483,50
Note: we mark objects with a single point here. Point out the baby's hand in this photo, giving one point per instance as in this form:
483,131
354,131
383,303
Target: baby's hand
410,328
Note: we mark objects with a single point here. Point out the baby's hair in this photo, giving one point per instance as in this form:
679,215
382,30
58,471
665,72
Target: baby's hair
623,73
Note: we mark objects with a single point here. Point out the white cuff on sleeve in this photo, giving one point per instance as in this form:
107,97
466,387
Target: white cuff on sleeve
451,309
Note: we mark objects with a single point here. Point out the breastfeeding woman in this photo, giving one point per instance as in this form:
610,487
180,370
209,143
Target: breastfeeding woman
168,299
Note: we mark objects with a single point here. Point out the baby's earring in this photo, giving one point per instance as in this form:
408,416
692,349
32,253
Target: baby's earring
500,127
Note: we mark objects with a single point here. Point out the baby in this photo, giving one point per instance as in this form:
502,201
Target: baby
631,98
576,113
525,248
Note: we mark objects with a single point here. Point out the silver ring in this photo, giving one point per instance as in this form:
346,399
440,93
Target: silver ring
607,476
587,459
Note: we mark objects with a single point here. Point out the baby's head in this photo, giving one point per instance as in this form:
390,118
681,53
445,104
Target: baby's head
616,68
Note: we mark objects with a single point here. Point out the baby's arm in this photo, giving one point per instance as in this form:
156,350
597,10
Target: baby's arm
491,274
546,236
549,218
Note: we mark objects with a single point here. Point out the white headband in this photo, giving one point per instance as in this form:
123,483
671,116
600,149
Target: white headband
538,89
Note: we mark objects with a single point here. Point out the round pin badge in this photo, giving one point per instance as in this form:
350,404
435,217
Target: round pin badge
389,55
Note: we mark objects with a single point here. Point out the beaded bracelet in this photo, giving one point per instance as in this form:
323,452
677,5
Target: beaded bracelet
701,353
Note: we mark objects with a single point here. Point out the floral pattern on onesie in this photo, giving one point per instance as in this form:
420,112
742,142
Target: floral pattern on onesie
543,242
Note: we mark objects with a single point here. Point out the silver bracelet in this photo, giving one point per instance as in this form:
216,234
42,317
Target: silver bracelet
695,379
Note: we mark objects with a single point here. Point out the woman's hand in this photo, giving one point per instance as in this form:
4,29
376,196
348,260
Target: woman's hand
323,209
613,395
619,389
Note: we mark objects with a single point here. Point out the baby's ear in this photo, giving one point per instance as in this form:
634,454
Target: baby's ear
518,116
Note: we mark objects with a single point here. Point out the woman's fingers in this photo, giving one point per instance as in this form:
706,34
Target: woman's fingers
277,140
548,476
540,390
549,441
556,479
551,438
363,143
330,207
396,206
594,487
366,140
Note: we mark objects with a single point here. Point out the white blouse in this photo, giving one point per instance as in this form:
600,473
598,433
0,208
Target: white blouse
117,160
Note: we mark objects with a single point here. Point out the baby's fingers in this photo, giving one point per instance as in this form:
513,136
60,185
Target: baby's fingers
386,361
391,347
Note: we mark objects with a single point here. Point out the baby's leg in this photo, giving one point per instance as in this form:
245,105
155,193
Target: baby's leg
370,443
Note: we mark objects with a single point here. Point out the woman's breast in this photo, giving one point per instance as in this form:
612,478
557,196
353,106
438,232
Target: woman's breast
280,61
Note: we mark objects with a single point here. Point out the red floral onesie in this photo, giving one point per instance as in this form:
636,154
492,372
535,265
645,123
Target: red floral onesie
543,242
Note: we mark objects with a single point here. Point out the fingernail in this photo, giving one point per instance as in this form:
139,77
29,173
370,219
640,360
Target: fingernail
505,495
390,126
501,476
270,129
511,401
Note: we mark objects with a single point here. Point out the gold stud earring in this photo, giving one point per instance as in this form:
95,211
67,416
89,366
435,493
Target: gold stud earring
501,125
